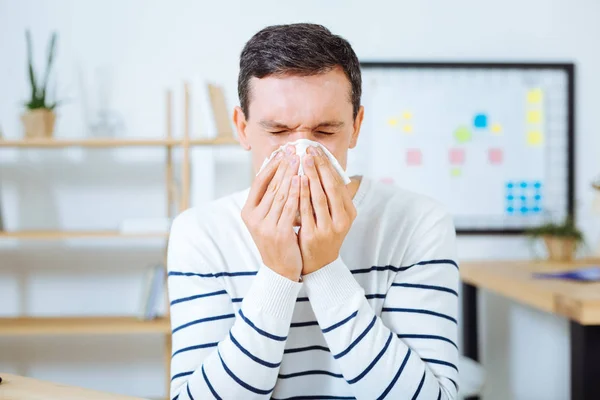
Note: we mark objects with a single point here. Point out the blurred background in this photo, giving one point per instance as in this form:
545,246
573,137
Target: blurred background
84,221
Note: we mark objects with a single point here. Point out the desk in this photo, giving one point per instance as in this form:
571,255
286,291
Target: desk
579,302
15,387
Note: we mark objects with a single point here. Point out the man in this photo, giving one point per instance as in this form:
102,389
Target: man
360,302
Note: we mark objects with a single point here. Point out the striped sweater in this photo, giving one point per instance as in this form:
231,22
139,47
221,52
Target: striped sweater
379,322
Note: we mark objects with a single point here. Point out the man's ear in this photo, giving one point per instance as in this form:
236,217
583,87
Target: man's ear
239,120
357,124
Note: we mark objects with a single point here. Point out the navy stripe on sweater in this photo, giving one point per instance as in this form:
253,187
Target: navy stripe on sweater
187,386
198,296
434,337
181,375
264,333
430,287
419,388
419,311
196,347
213,275
398,269
309,372
439,393
212,390
240,299
342,322
366,371
308,348
252,357
241,382
199,321
441,362
395,379
354,271
318,397
358,339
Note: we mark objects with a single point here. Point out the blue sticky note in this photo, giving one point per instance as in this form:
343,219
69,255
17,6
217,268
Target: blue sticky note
524,210
510,210
480,121
523,184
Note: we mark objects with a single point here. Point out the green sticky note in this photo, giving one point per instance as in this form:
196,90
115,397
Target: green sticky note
462,134
455,172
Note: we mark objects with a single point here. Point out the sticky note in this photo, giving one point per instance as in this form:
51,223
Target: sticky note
534,138
534,116
462,134
387,180
495,156
407,128
456,156
496,128
392,122
407,115
414,157
480,121
455,172
534,96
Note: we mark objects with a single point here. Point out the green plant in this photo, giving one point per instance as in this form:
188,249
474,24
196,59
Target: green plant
566,230
39,98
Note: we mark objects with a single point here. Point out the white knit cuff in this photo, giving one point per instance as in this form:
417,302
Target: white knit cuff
331,286
272,294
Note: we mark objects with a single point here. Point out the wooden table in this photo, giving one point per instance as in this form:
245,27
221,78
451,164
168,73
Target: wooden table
15,387
577,301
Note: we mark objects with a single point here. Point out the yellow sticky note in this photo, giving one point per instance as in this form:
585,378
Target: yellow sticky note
392,122
407,115
534,96
407,128
534,138
455,172
534,117
496,128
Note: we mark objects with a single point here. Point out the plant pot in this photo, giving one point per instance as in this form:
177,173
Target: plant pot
559,248
38,123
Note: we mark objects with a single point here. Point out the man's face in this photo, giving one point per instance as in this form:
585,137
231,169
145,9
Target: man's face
286,108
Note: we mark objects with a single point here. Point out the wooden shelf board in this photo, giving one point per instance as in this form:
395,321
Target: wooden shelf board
18,326
107,142
59,235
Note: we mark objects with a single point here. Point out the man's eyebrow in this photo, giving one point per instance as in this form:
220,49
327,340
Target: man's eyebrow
269,124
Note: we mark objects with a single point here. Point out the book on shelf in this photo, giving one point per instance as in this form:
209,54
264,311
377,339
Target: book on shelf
153,293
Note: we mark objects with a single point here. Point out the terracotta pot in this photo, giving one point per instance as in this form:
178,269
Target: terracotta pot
560,249
38,123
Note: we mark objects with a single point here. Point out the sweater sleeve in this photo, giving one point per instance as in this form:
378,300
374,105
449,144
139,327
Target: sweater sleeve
409,351
216,352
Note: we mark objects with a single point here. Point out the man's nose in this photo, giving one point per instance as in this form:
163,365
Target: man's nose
302,134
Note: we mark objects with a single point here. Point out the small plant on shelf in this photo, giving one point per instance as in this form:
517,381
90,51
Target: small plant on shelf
39,117
561,239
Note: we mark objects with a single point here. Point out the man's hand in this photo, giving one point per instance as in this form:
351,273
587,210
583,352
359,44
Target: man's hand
269,214
326,212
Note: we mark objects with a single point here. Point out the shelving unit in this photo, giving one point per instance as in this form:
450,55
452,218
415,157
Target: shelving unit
113,325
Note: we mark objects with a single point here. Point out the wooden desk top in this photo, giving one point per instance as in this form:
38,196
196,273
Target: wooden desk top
17,387
578,301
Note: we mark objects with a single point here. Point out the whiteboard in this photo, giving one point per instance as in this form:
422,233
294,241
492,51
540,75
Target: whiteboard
492,142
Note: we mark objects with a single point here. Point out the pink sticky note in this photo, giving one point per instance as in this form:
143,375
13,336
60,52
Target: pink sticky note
457,156
413,157
387,181
495,156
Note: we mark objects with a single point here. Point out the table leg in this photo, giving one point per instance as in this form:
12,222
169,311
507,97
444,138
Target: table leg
585,361
469,324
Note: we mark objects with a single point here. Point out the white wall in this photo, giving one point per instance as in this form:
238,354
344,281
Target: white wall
145,47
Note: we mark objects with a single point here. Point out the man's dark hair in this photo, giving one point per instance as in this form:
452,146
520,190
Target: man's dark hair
297,49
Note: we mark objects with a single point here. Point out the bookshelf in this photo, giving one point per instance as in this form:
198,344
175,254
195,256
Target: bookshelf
114,325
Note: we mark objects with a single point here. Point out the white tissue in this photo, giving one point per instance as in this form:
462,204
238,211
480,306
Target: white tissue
301,145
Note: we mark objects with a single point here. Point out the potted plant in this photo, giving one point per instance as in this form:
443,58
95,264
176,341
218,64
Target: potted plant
561,239
39,117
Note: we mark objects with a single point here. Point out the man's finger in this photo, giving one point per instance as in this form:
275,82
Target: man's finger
288,215
317,195
262,209
307,217
280,197
259,187
331,182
